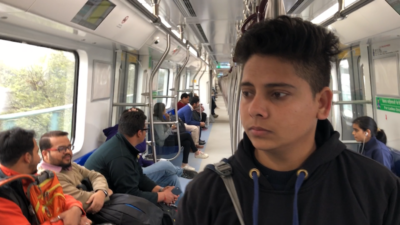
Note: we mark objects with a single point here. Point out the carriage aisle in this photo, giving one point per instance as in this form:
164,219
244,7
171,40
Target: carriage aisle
217,137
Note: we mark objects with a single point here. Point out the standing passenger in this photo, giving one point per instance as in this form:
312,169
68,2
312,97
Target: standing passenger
373,141
291,161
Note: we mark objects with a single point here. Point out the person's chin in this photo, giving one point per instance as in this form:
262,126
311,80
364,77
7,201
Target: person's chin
263,144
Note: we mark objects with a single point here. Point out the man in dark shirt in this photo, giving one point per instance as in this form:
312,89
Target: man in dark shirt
291,167
117,160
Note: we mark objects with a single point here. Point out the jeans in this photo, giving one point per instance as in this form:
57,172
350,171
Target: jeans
164,173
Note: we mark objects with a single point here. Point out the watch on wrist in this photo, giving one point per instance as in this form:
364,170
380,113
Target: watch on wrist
161,189
104,191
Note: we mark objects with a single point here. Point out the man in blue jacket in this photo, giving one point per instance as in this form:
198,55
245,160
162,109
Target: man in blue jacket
186,115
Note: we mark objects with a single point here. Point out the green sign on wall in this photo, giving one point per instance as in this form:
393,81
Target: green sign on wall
388,104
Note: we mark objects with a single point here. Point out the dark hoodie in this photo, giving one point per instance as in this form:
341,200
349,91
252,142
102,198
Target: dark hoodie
343,187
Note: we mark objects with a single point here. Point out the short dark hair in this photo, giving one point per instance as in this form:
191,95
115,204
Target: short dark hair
310,48
131,122
194,100
44,142
184,95
14,143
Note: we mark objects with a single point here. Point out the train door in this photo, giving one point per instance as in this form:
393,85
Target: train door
350,92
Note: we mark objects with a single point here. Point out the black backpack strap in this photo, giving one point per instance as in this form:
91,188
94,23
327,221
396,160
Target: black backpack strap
224,170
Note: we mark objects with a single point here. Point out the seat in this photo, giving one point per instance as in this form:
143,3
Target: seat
81,160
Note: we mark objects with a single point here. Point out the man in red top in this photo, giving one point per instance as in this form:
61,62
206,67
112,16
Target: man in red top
184,100
19,154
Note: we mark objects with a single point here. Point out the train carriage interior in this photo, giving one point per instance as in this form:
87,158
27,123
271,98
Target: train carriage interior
77,65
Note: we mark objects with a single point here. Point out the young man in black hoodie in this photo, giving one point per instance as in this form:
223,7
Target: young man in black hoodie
306,175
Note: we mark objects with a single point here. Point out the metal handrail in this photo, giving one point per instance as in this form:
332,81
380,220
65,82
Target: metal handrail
129,104
34,112
177,81
194,77
153,73
352,102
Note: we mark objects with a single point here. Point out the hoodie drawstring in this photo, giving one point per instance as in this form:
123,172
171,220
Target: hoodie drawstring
301,176
255,173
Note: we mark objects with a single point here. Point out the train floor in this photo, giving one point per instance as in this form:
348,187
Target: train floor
218,144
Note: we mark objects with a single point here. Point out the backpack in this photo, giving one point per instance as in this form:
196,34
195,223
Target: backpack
124,209
182,128
224,170
170,214
44,193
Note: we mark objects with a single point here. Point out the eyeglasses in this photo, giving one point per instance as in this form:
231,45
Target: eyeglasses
62,149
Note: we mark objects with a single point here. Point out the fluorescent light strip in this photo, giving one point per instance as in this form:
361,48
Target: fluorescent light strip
326,15
165,22
193,51
146,5
176,33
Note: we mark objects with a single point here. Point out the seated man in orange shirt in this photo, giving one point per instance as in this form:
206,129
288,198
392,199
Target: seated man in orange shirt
19,154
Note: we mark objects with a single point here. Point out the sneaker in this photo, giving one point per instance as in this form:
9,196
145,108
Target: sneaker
202,155
187,167
215,116
189,174
202,142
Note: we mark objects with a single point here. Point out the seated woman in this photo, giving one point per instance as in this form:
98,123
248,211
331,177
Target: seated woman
373,141
165,136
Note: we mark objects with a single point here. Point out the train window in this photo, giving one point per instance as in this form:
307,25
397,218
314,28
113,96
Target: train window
345,87
130,85
395,4
37,88
162,84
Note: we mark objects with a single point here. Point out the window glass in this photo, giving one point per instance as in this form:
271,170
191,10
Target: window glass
162,84
37,88
130,89
346,88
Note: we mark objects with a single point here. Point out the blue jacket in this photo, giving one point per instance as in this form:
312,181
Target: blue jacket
379,152
186,116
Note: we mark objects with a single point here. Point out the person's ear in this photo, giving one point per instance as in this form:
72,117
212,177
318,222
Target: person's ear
324,101
27,157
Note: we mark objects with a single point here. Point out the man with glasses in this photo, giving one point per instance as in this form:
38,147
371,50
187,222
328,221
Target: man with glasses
56,151
117,160
19,154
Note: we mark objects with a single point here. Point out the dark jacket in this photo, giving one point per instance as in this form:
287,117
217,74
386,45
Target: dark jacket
343,188
112,131
117,160
186,116
379,152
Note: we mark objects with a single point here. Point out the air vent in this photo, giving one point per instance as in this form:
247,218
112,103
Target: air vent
189,7
200,28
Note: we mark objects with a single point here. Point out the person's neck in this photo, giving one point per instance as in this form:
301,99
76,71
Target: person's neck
287,158
19,168
132,140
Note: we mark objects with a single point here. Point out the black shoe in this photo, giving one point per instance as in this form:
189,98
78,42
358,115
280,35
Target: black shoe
189,174
202,142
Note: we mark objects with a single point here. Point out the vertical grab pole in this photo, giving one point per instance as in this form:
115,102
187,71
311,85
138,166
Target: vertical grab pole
153,73
194,77
201,77
177,81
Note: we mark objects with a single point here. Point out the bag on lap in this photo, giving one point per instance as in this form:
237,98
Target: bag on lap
124,209
170,214
182,128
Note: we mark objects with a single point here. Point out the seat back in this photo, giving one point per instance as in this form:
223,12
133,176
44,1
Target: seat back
81,160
